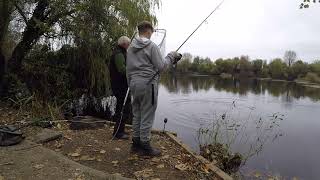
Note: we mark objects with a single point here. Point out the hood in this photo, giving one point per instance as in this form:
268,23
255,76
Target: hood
139,43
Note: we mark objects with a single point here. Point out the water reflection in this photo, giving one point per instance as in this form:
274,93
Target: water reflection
193,102
287,91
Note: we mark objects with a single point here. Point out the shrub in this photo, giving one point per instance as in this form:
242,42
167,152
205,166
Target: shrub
312,77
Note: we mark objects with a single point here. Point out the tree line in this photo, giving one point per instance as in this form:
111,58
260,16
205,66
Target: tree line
286,68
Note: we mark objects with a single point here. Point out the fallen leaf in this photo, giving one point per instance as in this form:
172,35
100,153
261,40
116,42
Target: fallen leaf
1,177
78,150
58,146
133,158
155,160
87,158
177,156
38,166
182,167
75,155
143,174
59,126
115,163
161,166
103,152
68,138
99,160
89,145
205,168
117,149
155,179
166,157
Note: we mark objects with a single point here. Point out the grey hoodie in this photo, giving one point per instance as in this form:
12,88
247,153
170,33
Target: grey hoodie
144,59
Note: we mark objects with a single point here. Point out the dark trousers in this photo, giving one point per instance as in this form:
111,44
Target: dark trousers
120,94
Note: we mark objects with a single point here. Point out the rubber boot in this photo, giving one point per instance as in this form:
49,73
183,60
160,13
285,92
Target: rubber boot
148,150
121,136
135,148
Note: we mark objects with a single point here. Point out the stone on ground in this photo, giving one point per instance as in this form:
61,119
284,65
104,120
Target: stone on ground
47,135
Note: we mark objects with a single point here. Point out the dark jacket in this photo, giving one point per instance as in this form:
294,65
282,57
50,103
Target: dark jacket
118,78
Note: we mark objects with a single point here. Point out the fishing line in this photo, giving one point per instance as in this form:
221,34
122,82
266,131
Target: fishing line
186,40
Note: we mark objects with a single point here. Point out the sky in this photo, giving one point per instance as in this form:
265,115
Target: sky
257,28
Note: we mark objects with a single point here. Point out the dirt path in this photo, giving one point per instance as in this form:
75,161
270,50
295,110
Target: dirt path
32,161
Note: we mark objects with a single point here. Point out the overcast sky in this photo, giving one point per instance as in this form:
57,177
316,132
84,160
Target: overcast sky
258,28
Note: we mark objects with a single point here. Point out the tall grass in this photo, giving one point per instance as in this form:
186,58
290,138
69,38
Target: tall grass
236,135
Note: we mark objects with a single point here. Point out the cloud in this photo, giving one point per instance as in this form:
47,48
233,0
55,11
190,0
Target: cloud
258,28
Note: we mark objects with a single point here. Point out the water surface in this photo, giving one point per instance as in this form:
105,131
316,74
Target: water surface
290,148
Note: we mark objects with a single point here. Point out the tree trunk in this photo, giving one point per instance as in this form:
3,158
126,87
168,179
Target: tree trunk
2,69
6,8
30,36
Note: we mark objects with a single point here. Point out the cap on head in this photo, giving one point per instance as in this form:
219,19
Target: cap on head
144,26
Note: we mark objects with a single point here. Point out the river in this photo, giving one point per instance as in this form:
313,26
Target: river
285,115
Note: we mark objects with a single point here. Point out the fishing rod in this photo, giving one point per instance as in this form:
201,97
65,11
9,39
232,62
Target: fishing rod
200,25
184,42
125,100
158,72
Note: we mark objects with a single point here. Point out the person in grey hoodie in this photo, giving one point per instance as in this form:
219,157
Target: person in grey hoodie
144,60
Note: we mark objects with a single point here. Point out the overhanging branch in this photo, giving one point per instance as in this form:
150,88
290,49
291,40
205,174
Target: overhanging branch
20,11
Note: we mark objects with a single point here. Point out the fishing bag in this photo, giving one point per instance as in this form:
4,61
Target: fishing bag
9,136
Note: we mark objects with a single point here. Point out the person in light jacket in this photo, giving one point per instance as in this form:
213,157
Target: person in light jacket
144,60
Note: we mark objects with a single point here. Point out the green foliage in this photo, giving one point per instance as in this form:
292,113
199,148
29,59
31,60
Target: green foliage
315,67
277,69
298,69
257,66
185,63
78,35
243,68
226,66
48,73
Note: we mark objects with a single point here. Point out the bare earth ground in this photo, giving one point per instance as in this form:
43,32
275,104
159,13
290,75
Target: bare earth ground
94,149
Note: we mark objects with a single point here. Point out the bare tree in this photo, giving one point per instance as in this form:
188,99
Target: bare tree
290,57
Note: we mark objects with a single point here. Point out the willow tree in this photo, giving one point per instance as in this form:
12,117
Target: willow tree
91,27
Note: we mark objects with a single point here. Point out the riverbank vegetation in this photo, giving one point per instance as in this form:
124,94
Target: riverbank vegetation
226,142
288,68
